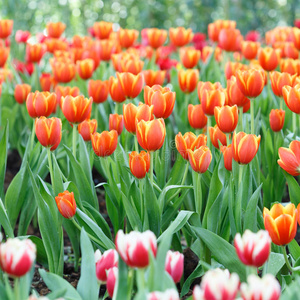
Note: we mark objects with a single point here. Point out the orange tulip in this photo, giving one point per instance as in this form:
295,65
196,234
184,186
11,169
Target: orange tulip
196,116
290,66
55,30
180,36
291,96
107,48
63,91
105,143
189,141
40,104
85,68
289,158
151,134
4,53
226,117
290,51
66,204
161,98
34,53
188,80
215,28
102,29
281,223
251,82
87,128
268,58
216,136
229,39
54,45
189,57
47,82
48,132
200,159
91,54
207,51
279,80
139,163
98,90
249,49
76,109
227,155
202,86
295,37
156,37
234,94
127,37
232,67
116,123
63,71
130,64
244,147
6,27
211,99
276,119
21,92
154,77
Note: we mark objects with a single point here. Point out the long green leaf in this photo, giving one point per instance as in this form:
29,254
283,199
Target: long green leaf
3,159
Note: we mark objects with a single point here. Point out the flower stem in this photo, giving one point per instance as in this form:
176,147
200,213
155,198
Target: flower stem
252,116
51,168
241,169
74,139
291,269
140,277
294,123
106,167
207,130
240,119
136,144
141,199
185,173
32,136
151,167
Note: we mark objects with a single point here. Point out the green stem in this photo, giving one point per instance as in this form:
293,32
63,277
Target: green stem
141,199
240,126
74,139
151,167
280,103
8,289
32,136
227,139
185,173
96,112
251,270
140,277
291,269
130,281
17,288
51,169
252,116
241,169
207,130
294,123
156,187
136,145
198,193
106,167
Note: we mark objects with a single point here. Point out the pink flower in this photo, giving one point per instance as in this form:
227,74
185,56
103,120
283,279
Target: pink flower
174,265
253,249
297,23
134,247
166,295
105,262
22,36
112,276
253,36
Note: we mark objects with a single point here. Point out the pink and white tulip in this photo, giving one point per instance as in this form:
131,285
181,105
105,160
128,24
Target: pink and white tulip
112,276
134,247
256,288
17,256
253,249
174,265
104,262
166,295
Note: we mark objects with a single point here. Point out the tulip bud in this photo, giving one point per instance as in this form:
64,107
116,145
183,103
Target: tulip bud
4,53
174,265
291,96
216,136
85,68
112,276
87,128
17,256
249,49
66,204
189,57
127,37
105,143
98,90
154,77
169,294
21,92
229,39
226,117
211,99
232,67
196,116
34,53
227,154
63,71
47,82
180,36
139,163
289,158
6,27
156,37
268,58
105,262
188,80
276,119
55,30
235,96
200,159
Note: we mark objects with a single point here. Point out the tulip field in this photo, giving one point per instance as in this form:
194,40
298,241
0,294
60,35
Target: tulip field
154,164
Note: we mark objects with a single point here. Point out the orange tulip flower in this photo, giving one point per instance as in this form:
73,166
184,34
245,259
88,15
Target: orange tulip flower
104,143
276,119
4,53
232,67
127,37
200,159
54,45
281,223
290,66
291,96
289,158
48,132
189,141
251,82
66,204
98,90
211,99
102,29
196,116
63,71
234,94
76,109
229,39
21,92
34,53
215,28
202,86
130,63
290,51
87,128
156,37
226,117
116,123
91,54
63,91
227,155
279,80
55,30
295,37
161,98
180,36
268,58
85,68
216,136
151,134
6,27
249,49
154,77
107,48
189,57
47,82
40,104
207,51
244,147
188,80
139,163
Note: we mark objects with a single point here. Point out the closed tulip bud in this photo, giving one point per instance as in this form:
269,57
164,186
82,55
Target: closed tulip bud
232,67
226,117
212,99
104,262
289,158
66,204
217,284
268,58
112,276
180,36
63,91
98,90
202,86
4,53
154,77
291,96
48,132
267,288
227,155
144,112
131,65
200,159
244,147
34,53
151,134
196,116
281,223
87,128
189,57
107,48
170,294
55,30
139,163
251,82
6,27
162,99
21,92
216,136
17,256
156,37
76,109
290,51
234,94
40,104
189,141
290,66
63,71
215,28
279,80
47,82
253,249
276,119
104,143
102,29
127,37
116,123
22,36
188,80
135,247
249,49
229,39
85,68
174,265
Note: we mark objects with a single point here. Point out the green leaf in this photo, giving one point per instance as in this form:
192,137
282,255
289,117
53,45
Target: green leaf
198,272
121,286
4,221
294,188
275,263
294,249
3,159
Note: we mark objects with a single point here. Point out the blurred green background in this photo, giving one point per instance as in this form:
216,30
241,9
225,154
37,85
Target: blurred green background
80,14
